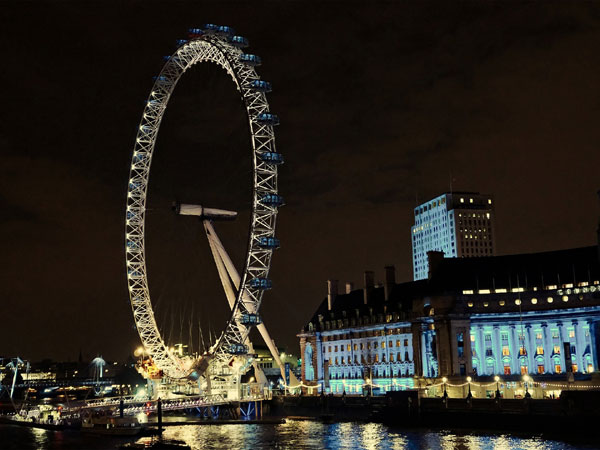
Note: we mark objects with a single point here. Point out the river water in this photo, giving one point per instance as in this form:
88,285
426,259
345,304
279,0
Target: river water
297,435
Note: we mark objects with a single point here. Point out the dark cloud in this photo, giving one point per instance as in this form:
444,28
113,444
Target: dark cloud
382,105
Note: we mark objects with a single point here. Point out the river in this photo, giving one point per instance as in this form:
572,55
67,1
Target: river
298,435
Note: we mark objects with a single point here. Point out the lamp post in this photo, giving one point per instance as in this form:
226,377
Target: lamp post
445,380
497,379
469,395
526,379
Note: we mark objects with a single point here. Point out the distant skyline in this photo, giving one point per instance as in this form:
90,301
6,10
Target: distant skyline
382,106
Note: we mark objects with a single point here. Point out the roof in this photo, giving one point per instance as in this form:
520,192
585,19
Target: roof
513,271
455,275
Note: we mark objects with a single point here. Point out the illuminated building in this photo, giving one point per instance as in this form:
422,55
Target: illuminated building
536,314
460,224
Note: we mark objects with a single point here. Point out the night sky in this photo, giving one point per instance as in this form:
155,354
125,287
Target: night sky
381,105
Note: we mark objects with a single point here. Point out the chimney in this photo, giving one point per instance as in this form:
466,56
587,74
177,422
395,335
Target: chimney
369,285
390,281
349,287
332,292
434,258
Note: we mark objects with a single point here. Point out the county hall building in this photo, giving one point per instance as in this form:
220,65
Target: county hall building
483,316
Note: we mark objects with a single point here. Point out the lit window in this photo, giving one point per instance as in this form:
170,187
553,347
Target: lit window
575,368
533,301
550,299
462,200
518,301
557,368
565,298
489,201
571,333
505,351
501,302
348,348
540,368
538,335
557,349
539,350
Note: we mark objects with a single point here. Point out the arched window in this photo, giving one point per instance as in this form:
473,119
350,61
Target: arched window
524,367
490,366
309,371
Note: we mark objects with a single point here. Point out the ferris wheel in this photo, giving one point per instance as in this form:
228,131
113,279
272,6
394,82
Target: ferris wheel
218,45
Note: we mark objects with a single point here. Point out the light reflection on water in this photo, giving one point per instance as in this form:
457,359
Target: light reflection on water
301,435
350,435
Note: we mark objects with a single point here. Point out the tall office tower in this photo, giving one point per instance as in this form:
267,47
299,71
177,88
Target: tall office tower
460,224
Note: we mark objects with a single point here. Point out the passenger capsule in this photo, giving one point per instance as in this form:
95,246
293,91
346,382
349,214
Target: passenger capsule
260,86
195,32
260,283
250,319
237,349
159,78
181,42
239,41
268,242
250,60
210,28
271,157
224,30
272,200
132,245
267,119
134,273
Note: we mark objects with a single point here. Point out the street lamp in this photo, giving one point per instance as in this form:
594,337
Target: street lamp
497,379
445,380
526,379
469,395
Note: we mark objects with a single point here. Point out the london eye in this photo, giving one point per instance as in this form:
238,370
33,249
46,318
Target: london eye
244,290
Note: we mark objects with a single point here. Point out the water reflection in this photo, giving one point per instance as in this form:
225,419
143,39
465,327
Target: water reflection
296,435
349,435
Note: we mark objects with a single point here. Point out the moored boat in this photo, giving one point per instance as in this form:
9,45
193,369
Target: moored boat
116,426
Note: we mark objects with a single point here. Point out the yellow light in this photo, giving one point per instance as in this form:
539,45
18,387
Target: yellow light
497,378
469,379
445,380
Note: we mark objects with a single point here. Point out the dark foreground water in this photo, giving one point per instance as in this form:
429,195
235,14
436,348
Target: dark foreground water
298,435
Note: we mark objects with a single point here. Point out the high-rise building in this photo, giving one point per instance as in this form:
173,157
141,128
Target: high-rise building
459,224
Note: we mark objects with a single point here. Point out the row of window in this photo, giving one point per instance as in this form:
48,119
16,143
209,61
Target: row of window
490,367
362,346
370,359
365,334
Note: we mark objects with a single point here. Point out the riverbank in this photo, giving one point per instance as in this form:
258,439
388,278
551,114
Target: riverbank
573,411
